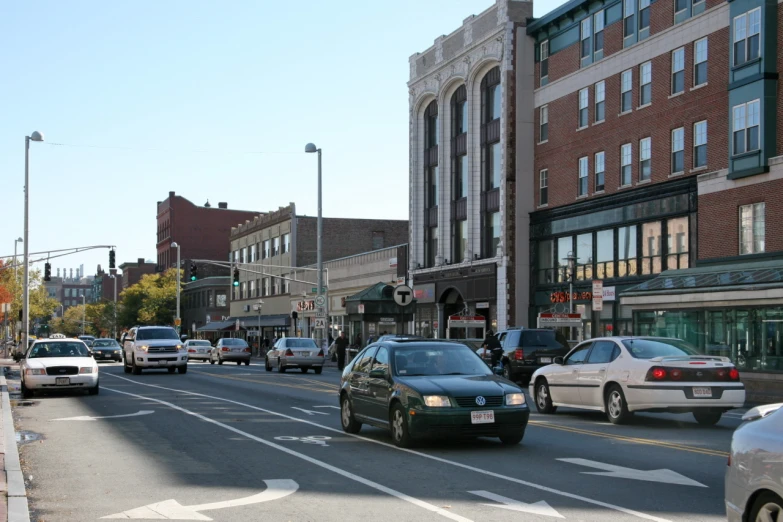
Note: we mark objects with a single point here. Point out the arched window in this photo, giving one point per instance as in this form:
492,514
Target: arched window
431,184
460,175
491,157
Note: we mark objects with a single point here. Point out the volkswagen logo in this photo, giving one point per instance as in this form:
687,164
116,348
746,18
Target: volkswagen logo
481,401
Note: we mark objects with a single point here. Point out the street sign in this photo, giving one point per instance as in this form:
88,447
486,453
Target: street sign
551,320
460,321
320,311
598,295
315,290
387,320
177,321
320,300
320,323
403,295
361,308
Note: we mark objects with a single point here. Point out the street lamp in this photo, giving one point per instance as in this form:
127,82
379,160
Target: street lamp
35,136
114,323
571,260
259,305
177,321
84,312
309,149
16,277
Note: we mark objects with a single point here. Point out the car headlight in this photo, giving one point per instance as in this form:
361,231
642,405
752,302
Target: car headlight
87,370
437,401
35,371
515,399
180,347
143,347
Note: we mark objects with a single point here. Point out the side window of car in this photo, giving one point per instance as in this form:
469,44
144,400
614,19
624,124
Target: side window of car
365,363
579,355
381,360
512,339
603,352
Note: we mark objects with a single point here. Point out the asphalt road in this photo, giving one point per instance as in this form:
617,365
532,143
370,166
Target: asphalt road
235,443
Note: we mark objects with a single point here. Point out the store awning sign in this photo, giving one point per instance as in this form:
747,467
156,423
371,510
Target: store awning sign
598,295
463,321
553,320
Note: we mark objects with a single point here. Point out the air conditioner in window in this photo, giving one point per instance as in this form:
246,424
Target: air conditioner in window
246,308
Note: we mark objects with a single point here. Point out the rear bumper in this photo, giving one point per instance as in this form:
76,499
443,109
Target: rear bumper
107,356
234,356
681,397
456,423
302,362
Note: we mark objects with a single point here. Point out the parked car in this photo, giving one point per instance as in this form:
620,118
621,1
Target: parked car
419,389
58,363
198,349
525,350
754,491
295,352
154,347
106,349
622,375
230,349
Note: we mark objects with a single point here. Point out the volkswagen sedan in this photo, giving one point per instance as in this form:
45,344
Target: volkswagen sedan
424,388
63,364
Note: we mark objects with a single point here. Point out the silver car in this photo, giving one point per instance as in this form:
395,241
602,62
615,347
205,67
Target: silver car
295,352
754,478
198,349
229,349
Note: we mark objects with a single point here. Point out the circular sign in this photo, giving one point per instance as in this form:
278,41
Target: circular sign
403,295
320,300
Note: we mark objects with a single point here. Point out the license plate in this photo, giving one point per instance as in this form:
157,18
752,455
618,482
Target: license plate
304,354
202,351
62,381
702,393
237,350
482,417
546,360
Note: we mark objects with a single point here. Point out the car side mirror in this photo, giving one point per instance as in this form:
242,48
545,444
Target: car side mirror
557,360
378,374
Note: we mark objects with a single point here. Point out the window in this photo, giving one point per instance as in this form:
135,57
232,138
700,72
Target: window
628,18
460,108
680,5
275,246
677,241
543,187
431,174
461,177
700,62
578,355
678,70
432,180
645,169
252,289
587,33
543,124
546,260
565,247
598,29
746,127
431,246
266,249
243,255
605,254
651,248
378,237
267,286
626,86
381,360
582,187
752,228
494,101
747,34
286,243
678,150
460,240
600,101
544,64
583,105
584,255
493,236
625,164
700,144
243,290
599,171
644,14
603,352
493,166
286,283
645,81
276,285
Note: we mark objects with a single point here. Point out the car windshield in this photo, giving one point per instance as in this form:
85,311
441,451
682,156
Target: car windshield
61,349
300,343
651,348
233,342
148,334
100,343
438,359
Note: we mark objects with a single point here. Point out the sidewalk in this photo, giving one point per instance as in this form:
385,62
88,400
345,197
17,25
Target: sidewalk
13,507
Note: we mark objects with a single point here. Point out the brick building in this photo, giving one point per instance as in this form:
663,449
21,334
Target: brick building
201,232
103,285
659,165
468,154
133,272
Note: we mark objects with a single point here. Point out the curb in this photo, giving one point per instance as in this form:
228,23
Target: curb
18,509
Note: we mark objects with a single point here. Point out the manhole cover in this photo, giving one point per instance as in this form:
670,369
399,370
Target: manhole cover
27,436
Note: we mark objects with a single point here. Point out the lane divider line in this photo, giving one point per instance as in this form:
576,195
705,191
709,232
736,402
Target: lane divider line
312,389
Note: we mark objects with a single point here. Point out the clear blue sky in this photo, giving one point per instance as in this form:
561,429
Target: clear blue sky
214,100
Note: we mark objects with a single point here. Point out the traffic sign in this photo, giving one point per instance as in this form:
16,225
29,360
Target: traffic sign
320,311
315,290
320,300
598,295
403,295
177,321
320,323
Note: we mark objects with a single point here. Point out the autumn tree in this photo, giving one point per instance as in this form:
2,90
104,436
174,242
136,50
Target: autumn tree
152,300
42,306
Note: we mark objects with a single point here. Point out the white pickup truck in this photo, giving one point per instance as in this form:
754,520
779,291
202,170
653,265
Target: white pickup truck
147,347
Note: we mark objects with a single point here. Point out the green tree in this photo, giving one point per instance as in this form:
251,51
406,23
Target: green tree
152,300
71,323
42,306
101,318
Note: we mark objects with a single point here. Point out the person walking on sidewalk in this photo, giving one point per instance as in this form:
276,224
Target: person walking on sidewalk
341,344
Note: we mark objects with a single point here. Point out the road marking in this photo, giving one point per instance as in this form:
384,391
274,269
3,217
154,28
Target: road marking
312,389
173,510
88,418
389,491
330,406
635,440
666,476
309,412
311,439
533,485
536,508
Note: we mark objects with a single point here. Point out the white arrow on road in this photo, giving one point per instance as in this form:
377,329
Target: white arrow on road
309,412
656,475
536,508
173,510
88,418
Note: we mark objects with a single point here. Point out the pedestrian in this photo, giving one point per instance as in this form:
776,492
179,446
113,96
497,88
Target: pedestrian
340,345
358,341
492,344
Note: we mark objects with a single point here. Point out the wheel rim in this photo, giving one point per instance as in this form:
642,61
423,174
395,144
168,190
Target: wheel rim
542,396
346,413
397,425
506,373
615,404
769,512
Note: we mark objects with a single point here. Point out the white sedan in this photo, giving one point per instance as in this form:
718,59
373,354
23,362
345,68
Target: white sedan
58,364
622,375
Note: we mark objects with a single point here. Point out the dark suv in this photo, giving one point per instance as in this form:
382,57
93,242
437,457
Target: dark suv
525,350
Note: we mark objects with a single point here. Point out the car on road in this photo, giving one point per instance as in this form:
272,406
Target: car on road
148,347
88,340
623,375
754,477
388,337
426,388
58,363
230,349
198,349
295,352
525,350
103,349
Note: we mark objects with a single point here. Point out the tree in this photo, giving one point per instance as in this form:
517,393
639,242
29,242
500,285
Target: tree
101,318
42,306
71,323
150,301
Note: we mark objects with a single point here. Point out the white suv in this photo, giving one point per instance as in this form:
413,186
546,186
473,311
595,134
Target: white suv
154,347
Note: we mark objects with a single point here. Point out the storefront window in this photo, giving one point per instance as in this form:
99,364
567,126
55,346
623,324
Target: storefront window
584,254
651,248
626,252
546,259
565,246
605,254
677,241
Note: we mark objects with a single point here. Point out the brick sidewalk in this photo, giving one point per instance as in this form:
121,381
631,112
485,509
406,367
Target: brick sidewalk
13,507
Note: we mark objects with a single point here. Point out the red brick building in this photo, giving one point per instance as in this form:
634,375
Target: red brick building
659,167
201,232
133,272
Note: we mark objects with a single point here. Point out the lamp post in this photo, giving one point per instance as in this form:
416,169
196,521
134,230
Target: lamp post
114,322
35,136
311,148
16,279
177,321
84,312
259,305
571,259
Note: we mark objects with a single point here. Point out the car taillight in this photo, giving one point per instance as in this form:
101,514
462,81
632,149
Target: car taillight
722,375
289,353
676,375
191,350
247,349
224,349
321,352
656,373
734,374
519,355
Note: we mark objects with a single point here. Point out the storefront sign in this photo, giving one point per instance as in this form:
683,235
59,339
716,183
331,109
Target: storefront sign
462,321
305,306
387,320
424,293
361,308
598,293
562,297
608,293
482,305
552,320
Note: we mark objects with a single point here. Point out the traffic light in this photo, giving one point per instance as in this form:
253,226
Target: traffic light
193,271
236,277
47,272
112,259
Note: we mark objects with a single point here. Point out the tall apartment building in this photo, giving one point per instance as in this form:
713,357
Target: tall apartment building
471,139
659,166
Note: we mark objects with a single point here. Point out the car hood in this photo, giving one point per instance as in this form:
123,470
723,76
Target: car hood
158,342
459,385
46,362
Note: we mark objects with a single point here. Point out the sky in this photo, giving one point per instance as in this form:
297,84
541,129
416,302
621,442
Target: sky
213,100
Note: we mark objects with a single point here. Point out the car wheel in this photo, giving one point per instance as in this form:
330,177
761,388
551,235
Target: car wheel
616,407
267,366
318,370
247,363
125,367
182,369
95,390
767,506
27,393
171,369
707,418
211,361
543,398
239,363
507,372
399,427
304,369
350,424
512,438
135,369
220,360
280,367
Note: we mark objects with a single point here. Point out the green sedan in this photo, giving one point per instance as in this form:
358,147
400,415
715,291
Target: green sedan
427,388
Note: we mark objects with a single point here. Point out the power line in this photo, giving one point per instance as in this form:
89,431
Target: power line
183,151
